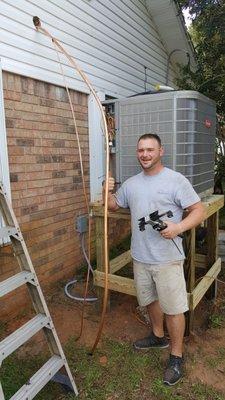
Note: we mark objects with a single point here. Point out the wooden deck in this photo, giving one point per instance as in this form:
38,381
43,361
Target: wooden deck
209,262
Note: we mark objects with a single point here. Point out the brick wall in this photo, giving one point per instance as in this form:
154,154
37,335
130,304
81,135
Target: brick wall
45,173
45,177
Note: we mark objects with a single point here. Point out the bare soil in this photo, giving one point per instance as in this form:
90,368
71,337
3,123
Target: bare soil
205,348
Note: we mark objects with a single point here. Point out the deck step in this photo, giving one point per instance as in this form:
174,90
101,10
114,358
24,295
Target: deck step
22,335
40,379
16,281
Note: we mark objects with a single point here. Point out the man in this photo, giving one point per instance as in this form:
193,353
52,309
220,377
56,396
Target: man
157,260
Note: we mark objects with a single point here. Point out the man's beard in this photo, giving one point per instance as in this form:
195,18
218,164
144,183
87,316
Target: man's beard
151,165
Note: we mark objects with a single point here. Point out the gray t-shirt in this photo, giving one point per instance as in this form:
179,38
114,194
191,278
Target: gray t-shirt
144,194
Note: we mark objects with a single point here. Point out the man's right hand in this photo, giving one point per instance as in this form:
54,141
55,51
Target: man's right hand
112,204
111,184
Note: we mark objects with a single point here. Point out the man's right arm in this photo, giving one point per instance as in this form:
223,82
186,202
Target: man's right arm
112,204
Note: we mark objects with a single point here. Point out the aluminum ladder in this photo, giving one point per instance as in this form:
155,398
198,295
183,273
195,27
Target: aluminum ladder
42,321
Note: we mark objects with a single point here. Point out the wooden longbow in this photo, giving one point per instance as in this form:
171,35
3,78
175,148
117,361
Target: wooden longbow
74,64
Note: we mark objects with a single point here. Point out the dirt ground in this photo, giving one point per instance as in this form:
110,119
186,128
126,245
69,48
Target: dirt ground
124,323
205,347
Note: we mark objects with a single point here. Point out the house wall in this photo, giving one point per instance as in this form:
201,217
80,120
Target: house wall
116,43
113,42
45,176
118,46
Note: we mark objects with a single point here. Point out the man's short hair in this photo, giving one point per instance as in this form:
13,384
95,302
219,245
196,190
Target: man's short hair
151,136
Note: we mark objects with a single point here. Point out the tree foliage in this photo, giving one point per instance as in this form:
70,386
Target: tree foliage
197,7
208,36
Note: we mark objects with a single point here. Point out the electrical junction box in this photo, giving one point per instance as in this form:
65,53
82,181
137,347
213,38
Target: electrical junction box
82,223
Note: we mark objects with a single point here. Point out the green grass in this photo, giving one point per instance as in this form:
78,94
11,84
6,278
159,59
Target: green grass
16,371
203,392
122,374
114,371
216,321
163,392
217,359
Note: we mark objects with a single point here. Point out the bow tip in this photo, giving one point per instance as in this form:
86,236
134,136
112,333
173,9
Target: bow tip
37,22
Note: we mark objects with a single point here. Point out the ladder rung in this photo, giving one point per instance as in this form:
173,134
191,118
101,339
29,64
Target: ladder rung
16,281
9,231
22,335
39,380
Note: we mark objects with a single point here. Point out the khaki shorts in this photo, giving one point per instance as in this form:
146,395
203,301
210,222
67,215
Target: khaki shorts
162,282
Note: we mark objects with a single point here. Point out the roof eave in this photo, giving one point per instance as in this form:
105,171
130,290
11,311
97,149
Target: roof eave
172,30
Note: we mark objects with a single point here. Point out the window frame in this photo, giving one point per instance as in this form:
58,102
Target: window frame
4,161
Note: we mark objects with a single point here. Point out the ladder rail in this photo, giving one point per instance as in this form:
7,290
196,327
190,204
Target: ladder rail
36,294
21,252
6,209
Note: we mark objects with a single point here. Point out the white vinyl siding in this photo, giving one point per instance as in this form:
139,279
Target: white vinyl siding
112,42
115,42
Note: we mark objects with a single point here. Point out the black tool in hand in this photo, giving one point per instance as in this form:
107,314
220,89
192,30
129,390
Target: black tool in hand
154,220
158,224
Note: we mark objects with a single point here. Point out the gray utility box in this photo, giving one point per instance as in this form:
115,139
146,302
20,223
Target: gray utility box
186,124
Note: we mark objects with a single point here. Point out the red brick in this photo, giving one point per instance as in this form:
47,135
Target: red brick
11,95
46,185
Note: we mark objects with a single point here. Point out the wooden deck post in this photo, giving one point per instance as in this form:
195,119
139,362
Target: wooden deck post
190,276
212,249
99,231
